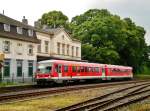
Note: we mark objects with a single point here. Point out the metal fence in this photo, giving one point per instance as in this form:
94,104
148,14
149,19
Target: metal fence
15,79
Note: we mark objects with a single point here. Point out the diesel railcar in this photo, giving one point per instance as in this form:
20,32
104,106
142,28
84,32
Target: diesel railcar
59,71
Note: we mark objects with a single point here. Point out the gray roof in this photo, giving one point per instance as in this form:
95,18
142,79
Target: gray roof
54,31
7,20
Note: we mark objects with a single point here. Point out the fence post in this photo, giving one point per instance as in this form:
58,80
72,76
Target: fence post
1,79
1,71
23,77
32,77
12,77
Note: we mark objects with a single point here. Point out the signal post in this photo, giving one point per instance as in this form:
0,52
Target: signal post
1,66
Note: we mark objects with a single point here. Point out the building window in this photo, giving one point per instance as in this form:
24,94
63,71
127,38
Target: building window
19,49
6,47
72,50
39,47
6,68
19,30
67,49
30,68
7,27
58,48
46,46
19,68
63,37
77,51
30,51
63,49
30,32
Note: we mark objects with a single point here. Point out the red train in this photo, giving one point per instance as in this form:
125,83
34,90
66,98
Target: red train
60,71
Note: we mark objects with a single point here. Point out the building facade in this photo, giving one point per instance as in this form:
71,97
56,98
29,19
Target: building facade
23,45
58,44
18,42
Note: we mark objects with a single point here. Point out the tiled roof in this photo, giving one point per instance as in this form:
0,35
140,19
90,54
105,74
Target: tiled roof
8,20
18,37
57,30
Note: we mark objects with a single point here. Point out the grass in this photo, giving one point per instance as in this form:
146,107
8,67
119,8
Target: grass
58,101
142,76
4,84
55,102
9,84
143,106
52,103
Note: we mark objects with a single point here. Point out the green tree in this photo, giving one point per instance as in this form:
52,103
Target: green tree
54,19
107,38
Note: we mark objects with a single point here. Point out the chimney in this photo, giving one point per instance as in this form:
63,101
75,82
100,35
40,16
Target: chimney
37,24
45,27
24,20
3,12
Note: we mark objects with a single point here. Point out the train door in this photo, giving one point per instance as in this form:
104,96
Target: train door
103,72
58,68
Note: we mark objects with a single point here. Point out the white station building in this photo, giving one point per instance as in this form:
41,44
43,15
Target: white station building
23,45
57,44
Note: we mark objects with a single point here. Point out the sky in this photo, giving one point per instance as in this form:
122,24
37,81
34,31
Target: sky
137,10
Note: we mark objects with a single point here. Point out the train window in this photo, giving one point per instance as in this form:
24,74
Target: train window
65,68
73,68
58,68
78,68
86,69
116,70
82,69
44,69
89,69
92,69
48,69
96,69
103,70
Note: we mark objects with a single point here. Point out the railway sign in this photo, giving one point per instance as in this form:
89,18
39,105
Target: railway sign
2,57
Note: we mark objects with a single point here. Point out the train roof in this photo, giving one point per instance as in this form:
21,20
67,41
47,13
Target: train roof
118,66
84,63
71,62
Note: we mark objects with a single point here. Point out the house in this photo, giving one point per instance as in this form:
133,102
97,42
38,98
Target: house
57,44
23,45
18,42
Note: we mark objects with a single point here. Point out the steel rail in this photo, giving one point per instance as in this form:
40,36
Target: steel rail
96,101
34,93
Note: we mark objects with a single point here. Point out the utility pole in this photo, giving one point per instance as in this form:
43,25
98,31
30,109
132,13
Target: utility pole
3,12
1,66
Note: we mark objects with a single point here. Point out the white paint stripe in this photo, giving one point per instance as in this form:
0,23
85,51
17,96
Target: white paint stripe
89,77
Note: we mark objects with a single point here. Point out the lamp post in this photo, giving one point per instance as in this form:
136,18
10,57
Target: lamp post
1,65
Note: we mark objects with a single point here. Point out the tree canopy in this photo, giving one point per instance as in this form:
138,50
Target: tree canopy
106,38
54,19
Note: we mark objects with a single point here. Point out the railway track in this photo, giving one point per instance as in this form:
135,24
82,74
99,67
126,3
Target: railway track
17,88
114,100
8,97
30,87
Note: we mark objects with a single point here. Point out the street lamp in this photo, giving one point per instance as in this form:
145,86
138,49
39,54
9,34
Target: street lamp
1,65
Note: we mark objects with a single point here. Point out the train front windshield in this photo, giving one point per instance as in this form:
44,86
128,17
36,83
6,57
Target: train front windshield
43,68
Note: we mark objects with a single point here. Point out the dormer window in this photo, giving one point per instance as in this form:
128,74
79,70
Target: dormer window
19,30
30,50
7,27
30,32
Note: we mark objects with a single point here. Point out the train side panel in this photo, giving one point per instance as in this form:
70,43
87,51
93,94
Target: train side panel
113,71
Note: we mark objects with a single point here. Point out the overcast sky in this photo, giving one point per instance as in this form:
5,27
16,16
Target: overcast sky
137,10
